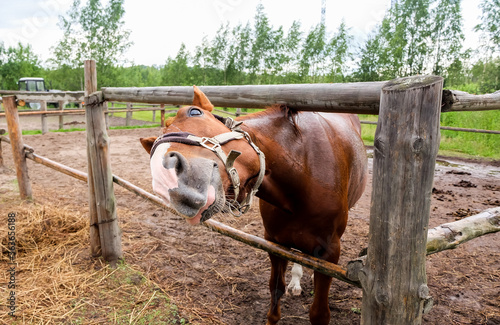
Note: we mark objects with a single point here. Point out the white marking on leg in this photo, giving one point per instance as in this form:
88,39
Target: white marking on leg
295,282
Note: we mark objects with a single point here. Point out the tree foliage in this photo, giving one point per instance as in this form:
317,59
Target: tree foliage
93,32
415,37
17,62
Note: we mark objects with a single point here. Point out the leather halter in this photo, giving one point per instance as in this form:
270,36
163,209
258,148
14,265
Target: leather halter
214,144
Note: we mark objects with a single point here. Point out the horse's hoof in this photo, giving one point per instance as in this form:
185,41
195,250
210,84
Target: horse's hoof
296,290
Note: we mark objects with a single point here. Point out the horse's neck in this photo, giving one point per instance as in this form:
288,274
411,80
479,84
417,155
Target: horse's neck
273,134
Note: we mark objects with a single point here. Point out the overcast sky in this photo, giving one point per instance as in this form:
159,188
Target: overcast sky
159,27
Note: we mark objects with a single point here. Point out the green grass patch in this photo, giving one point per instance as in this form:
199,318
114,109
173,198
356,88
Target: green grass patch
453,143
149,126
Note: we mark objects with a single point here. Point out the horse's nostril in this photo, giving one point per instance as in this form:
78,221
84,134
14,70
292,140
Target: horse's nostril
175,160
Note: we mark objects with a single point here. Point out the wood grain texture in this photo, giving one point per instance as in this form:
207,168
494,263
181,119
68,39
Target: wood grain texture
16,142
95,241
456,101
350,97
406,145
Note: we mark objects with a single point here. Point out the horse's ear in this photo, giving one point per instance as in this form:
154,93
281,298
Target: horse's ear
147,143
201,100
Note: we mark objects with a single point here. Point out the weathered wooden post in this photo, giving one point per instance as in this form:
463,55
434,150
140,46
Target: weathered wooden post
128,116
2,132
393,278
43,108
106,114
16,141
62,104
100,176
162,115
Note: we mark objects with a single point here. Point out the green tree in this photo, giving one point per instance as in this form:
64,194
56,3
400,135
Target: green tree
261,45
490,26
17,62
291,53
176,72
93,32
313,54
369,60
339,53
447,36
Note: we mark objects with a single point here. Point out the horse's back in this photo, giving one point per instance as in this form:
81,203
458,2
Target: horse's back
338,137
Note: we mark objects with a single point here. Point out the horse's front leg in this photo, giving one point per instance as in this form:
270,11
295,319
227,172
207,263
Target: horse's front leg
277,288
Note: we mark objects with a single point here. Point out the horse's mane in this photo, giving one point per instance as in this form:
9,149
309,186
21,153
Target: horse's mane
289,114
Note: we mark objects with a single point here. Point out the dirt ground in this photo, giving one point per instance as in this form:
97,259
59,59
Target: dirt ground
217,280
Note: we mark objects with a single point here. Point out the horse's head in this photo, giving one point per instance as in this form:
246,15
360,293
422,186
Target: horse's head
203,164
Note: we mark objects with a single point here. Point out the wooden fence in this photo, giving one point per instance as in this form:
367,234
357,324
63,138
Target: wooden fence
406,146
44,112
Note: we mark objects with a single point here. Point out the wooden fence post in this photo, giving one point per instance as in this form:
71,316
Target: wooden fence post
43,107
100,167
16,141
2,132
106,114
61,103
95,242
394,279
128,116
162,115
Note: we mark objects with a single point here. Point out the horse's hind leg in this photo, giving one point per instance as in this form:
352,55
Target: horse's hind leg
294,284
319,314
277,288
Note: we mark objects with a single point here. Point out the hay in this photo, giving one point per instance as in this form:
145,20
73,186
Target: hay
57,281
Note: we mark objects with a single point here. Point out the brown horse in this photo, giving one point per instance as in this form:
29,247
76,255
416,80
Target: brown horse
314,171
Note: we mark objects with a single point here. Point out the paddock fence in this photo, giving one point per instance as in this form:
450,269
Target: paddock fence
64,99
409,109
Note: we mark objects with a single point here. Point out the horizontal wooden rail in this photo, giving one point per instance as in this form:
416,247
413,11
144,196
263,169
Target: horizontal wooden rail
67,96
456,101
56,112
358,98
362,97
448,235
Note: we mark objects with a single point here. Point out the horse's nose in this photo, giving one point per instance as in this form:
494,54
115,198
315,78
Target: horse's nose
193,178
175,160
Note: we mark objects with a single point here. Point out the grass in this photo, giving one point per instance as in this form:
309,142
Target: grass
34,132
461,144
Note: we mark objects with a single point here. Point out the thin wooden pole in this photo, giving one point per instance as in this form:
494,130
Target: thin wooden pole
95,241
162,115
2,131
61,103
16,141
106,114
394,279
43,108
128,116
98,151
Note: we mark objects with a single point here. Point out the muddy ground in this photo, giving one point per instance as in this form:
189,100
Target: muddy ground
216,280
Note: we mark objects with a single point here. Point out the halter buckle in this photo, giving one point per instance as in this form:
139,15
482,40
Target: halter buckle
215,144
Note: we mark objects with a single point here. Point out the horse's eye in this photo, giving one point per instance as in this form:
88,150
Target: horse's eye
194,112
